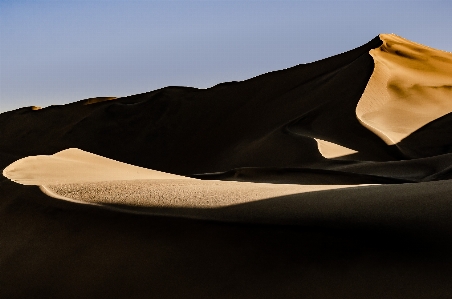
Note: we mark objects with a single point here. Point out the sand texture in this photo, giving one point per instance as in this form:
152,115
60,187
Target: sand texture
178,193
79,176
325,180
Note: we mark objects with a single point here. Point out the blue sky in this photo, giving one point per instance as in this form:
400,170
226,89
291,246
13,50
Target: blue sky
57,52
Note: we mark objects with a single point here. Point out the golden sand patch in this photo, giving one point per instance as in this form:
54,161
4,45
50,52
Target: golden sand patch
76,166
411,86
332,150
82,177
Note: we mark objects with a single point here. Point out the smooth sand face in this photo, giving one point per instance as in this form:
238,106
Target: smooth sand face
83,177
332,150
77,166
411,86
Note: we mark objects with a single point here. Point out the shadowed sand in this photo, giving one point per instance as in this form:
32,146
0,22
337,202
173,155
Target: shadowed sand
411,86
83,177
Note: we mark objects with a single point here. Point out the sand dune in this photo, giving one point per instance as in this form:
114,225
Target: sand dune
79,176
249,189
77,166
411,86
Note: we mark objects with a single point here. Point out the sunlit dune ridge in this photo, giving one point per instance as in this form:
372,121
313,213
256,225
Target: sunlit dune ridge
77,166
83,177
411,86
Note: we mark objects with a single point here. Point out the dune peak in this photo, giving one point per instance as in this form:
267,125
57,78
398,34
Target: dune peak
411,85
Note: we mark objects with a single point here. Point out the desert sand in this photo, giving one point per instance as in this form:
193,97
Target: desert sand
332,150
411,86
82,177
325,180
77,166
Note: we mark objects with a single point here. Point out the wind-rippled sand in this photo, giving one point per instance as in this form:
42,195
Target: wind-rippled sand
177,193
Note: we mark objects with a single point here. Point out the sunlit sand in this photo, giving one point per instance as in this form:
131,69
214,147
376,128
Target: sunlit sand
332,150
411,86
83,177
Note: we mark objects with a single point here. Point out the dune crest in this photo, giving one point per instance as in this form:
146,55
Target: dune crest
411,86
82,177
76,166
97,100
332,150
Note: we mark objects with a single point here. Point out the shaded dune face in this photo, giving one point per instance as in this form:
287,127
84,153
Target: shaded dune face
261,122
410,87
97,100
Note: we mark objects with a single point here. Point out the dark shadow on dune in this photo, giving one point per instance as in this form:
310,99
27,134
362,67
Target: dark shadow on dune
418,209
343,172
340,247
302,176
184,130
435,138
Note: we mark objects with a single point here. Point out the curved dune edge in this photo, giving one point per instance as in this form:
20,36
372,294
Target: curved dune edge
76,166
175,193
332,150
82,177
411,86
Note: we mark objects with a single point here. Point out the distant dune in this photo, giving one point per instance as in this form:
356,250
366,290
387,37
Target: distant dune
325,180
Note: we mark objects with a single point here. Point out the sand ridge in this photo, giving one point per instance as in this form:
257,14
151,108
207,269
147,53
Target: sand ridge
411,86
82,177
76,166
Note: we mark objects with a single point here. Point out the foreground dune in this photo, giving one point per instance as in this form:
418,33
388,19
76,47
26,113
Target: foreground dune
411,86
77,166
79,176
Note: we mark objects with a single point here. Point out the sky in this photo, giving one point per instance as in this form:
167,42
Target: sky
57,52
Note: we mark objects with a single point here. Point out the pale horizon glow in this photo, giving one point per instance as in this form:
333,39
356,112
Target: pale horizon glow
57,52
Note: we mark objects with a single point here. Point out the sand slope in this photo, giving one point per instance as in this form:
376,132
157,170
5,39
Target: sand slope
411,86
79,176
77,166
